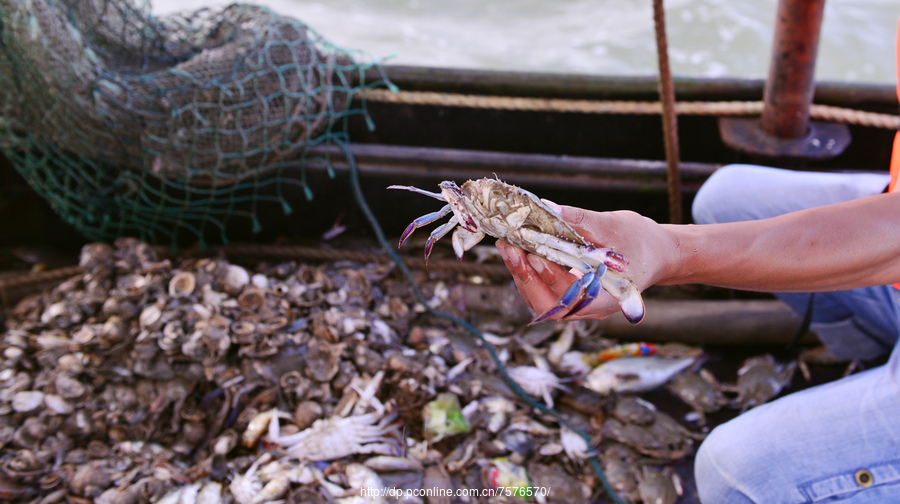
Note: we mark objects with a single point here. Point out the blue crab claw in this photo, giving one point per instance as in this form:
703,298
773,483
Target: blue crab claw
590,293
579,295
421,221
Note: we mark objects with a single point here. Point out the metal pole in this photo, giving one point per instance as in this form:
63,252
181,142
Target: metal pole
790,86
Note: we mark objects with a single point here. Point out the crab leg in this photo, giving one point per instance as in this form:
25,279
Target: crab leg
590,293
423,220
584,289
621,288
607,256
437,234
420,191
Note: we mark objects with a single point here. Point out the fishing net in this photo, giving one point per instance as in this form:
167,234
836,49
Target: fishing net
166,128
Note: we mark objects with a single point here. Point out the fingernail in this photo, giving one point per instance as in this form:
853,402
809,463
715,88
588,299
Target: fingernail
512,257
508,254
553,206
536,263
503,252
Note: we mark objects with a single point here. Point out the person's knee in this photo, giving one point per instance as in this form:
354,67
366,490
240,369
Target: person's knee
721,195
721,464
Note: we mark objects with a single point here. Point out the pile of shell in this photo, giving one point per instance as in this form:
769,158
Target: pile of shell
202,382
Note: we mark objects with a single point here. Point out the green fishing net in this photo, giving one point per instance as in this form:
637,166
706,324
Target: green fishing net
165,128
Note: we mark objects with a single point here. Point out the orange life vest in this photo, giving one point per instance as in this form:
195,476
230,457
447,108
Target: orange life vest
895,155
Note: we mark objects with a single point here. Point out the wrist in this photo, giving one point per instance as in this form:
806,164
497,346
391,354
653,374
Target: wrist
679,257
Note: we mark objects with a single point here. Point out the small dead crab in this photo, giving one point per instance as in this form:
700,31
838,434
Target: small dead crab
536,381
620,468
653,432
492,207
760,379
337,437
701,391
659,487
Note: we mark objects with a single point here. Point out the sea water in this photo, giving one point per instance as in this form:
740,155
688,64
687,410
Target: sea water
707,38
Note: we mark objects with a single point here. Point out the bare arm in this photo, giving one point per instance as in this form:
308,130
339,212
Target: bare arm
842,246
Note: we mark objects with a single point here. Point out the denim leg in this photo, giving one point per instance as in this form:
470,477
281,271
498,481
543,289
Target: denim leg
860,323
810,446
747,192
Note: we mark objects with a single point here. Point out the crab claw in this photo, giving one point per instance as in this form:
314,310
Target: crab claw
612,259
586,289
625,292
464,240
579,295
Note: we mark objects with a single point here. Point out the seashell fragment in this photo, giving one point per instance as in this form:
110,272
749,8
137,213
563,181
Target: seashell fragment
252,299
236,277
322,362
27,401
306,413
57,404
182,284
69,387
149,316
259,280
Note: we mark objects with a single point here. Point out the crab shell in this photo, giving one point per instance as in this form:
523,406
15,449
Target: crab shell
487,197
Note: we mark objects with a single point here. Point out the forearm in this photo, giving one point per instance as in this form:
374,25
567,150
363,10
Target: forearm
841,246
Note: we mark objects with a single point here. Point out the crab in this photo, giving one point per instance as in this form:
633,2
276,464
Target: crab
536,381
337,437
653,432
266,479
701,391
492,207
760,379
575,446
659,487
621,471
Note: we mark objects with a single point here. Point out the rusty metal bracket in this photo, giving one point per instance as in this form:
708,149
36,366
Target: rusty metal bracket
823,140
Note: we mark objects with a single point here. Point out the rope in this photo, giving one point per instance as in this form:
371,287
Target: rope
669,116
724,108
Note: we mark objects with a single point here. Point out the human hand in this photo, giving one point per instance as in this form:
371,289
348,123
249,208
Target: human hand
646,244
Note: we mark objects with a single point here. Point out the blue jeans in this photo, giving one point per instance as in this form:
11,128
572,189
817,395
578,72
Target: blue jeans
838,442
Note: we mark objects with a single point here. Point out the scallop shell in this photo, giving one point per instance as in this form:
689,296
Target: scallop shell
182,284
